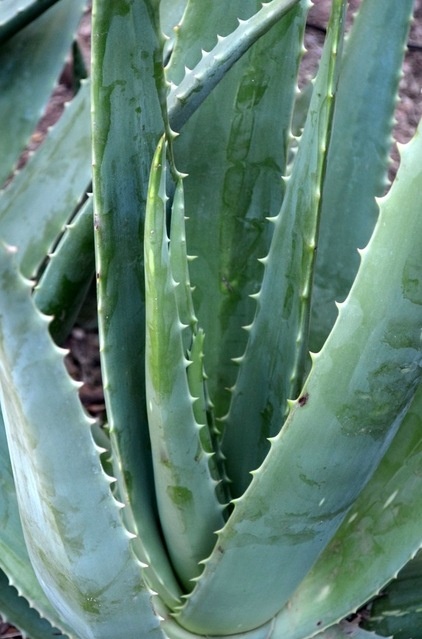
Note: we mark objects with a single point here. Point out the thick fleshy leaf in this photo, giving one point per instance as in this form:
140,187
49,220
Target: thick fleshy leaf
186,97
355,398
30,64
358,155
66,280
16,610
346,630
78,546
384,522
186,493
174,631
42,198
197,31
398,610
171,12
14,558
380,533
232,200
271,371
16,14
179,261
192,336
124,82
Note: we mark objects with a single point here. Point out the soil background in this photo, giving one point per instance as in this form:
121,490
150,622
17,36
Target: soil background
83,358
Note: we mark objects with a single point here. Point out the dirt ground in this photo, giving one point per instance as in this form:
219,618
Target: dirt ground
83,358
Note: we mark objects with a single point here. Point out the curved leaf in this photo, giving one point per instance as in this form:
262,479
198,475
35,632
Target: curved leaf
66,280
380,533
358,153
17,611
398,610
232,200
271,371
15,565
127,123
347,630
15,15
41,199
355,398
30,64
78,546
185,98
186,493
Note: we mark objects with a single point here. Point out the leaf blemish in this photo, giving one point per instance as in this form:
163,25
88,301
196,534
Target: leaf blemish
303,400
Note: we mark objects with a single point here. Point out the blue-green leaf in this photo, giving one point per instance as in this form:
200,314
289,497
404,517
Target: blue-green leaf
358,154
125,80
272,368
16,610
398,609
66,280
30,64
186,97
16,14
15,565
379,535
186,493
356,395
42,198
232,200
80,551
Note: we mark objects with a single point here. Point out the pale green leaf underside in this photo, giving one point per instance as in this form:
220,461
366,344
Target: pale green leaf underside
70,535
14,559
379,534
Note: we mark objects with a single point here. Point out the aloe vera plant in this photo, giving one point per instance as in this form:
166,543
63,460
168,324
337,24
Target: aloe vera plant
259,474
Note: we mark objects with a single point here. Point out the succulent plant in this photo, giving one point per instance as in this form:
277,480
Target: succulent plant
259,305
